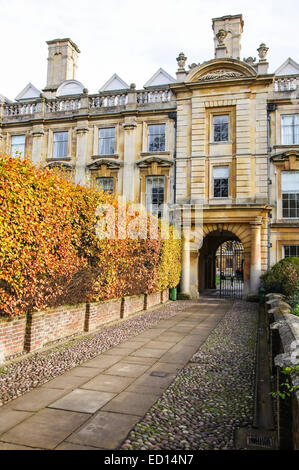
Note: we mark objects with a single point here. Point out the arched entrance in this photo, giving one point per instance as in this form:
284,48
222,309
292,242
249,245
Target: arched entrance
222,264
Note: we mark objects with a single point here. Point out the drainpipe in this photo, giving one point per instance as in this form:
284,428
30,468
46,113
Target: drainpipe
173,116
270,107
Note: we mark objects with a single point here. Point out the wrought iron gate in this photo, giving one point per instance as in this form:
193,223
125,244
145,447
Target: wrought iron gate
230,269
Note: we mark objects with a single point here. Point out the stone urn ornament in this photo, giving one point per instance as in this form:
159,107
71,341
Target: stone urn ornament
250,60
181,60
262,52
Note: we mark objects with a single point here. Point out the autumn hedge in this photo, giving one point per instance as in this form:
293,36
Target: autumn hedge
51,253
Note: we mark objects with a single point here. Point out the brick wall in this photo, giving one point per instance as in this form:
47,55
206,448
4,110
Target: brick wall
51,325
164,296
133,304
12,334
152,299
32,332
98,313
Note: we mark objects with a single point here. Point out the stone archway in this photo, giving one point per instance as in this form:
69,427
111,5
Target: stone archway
213,236
209,237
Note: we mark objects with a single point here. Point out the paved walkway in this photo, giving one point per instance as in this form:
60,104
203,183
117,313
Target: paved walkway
95,405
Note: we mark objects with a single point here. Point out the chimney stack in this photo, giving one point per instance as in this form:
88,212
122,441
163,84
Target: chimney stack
227,36
62,62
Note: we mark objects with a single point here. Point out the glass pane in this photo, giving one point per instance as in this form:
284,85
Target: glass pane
60,144
107,141
220,124
155,194
290,181
106,184
156,138
221,187
17,145
220,172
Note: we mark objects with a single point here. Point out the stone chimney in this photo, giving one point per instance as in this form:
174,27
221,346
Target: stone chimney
227,36
62,62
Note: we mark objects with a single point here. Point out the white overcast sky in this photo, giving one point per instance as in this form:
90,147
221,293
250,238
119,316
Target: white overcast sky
133,38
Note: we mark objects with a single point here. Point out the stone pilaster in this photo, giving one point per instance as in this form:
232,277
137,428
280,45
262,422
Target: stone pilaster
185,277
129,127
81,153
255,268
37,145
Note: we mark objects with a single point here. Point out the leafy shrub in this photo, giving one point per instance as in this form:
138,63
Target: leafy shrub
170,259
283,277
50,253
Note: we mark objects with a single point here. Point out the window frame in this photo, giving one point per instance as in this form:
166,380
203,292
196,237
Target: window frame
152,124
106,178
293,127
67,144
150,206
215,115
290,246
296,198
106,138
22,155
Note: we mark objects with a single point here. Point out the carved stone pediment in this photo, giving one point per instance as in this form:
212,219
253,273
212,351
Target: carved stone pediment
161,161
220,74
109,162
286,160
220,70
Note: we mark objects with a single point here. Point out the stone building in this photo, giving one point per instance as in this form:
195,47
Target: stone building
223,136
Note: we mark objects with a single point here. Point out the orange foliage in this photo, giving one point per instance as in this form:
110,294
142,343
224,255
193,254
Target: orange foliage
50,253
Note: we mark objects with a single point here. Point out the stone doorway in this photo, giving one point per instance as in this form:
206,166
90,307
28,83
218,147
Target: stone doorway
222,265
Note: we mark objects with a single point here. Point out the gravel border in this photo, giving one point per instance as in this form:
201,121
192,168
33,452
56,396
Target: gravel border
211,396
38,368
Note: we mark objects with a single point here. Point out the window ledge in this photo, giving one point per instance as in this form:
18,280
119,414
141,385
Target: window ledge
147,154
105,155
221,142
285,146
58,159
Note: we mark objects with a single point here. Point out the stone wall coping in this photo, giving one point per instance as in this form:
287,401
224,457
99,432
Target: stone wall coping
96,302
57,309
6,319
288,326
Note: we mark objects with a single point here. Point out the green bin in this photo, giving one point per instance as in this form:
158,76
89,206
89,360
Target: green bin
173,293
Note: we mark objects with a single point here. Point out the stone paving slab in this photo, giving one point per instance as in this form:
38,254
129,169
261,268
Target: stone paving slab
120,351
83,401
131,403
7,446
105,430
10,418
154,382
148,352
46,429
160,345
147,361
65,382
36,400
70,446
108,383
102,362
87,372
125,369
